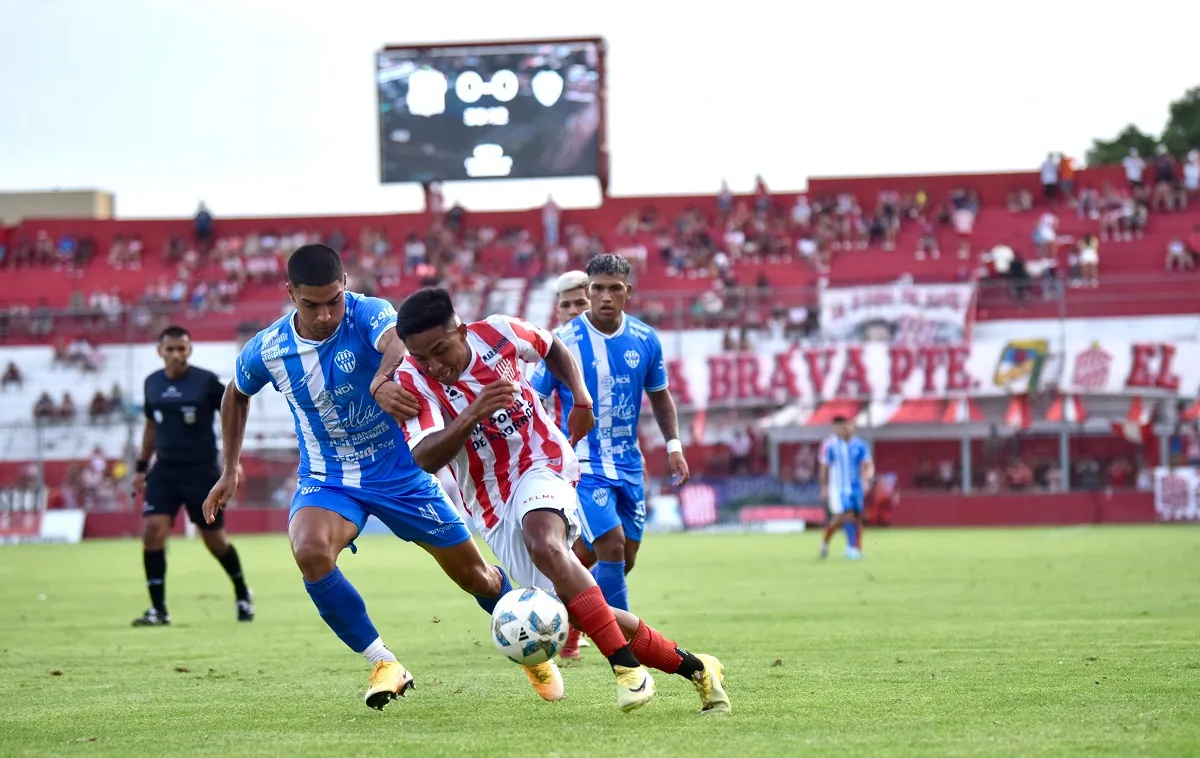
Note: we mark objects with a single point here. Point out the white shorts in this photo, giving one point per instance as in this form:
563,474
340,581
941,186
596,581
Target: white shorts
1089,257
539,489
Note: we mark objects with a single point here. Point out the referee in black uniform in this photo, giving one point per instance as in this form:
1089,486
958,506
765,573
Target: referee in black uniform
181,402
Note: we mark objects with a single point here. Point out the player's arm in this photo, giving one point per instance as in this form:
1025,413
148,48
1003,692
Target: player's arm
666,415
249,376
147,452
867,469
563,367
435,444
396,401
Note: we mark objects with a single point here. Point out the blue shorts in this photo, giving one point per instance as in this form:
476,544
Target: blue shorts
840,503
605,504
420,511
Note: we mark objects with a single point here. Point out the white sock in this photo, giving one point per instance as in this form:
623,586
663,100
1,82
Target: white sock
377,651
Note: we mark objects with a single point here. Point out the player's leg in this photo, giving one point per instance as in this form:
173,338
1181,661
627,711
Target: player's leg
600,520
545,537
217,542
160,504
705,672
155,528
854,518
423,513
631,507
836,520
323,521
575,640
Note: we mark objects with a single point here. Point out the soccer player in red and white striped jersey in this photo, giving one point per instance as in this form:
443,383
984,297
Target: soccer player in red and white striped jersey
517,470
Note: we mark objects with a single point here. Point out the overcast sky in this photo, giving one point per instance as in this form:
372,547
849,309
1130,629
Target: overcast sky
269,107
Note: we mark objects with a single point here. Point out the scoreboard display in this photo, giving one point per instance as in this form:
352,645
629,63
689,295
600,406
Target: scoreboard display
487,111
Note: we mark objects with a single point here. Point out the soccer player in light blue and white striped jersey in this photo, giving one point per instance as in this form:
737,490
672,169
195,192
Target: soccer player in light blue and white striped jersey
621,358
846,473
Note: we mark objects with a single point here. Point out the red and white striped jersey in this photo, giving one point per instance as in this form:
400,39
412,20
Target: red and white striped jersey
513,441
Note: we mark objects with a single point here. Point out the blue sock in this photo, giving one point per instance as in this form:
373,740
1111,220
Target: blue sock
343,609
610,575
850,527
489,603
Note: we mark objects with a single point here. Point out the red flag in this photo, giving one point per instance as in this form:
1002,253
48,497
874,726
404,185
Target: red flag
1017,415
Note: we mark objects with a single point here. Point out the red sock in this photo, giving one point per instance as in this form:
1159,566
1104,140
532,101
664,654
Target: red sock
572,643
590,613
654,650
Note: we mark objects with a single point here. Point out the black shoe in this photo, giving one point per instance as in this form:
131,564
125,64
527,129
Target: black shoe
245,607
153,618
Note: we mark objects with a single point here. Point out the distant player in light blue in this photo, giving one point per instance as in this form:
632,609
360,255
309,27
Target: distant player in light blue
621,358
333,359
846,473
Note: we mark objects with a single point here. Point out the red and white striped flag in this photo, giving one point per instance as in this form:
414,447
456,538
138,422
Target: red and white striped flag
1191,413
962,411
1017,415
1137,423
1067,408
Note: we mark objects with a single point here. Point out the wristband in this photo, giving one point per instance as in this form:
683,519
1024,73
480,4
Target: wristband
674,446
375,387
141,467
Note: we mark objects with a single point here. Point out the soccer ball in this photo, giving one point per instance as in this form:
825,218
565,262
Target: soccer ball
529,626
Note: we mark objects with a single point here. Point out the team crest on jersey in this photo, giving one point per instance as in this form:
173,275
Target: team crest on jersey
600,496
189,414
345,361
632,358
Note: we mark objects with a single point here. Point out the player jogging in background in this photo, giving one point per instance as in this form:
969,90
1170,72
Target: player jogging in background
181,403
846,472
481,417
570,296
620,357
332,358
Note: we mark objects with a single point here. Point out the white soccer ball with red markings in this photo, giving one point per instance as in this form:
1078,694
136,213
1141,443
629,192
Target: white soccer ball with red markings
529,626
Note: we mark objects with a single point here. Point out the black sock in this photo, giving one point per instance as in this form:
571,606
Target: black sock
233,567
690,666
155,562
623,657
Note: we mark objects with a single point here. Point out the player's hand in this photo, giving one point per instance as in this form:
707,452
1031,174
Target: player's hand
139,484
221,493
579,422
494,397
679,469
397,402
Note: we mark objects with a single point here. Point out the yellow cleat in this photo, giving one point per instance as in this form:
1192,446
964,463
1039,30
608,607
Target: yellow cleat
389,680
710,683
546,679
635,687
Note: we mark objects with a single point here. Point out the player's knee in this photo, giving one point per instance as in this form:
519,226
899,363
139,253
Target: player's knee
481,581
216,542
154,534
630,555
610,547
314,556
547,554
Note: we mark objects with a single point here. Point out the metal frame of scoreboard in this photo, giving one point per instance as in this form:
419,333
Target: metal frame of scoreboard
602,159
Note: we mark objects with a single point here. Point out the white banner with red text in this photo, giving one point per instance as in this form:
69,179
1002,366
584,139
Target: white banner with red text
902,313
883,372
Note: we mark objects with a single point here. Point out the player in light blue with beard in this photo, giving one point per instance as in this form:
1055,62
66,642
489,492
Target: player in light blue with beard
621,358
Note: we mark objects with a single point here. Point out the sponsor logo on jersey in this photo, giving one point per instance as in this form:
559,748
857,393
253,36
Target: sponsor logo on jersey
345,361
383,316
309,490
342,390
495,350
172,391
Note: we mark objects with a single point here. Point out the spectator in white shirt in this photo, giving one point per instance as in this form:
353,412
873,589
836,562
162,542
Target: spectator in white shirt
1135,167
1191,177
1046,235
1050,178
964,225
1089,261
1178,256
801,213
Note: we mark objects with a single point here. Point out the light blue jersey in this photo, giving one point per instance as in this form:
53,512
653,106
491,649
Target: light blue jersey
618,368
845,459
346,439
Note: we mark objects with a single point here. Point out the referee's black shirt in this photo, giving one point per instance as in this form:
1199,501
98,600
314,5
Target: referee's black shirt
183,410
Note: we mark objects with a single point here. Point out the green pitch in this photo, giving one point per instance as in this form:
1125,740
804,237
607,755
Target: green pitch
1032,642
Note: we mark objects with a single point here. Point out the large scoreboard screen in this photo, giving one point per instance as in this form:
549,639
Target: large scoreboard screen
496,110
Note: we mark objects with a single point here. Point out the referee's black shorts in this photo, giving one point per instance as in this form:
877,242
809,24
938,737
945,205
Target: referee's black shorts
170,485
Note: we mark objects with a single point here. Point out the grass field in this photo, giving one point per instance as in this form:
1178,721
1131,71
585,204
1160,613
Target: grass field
1032,642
